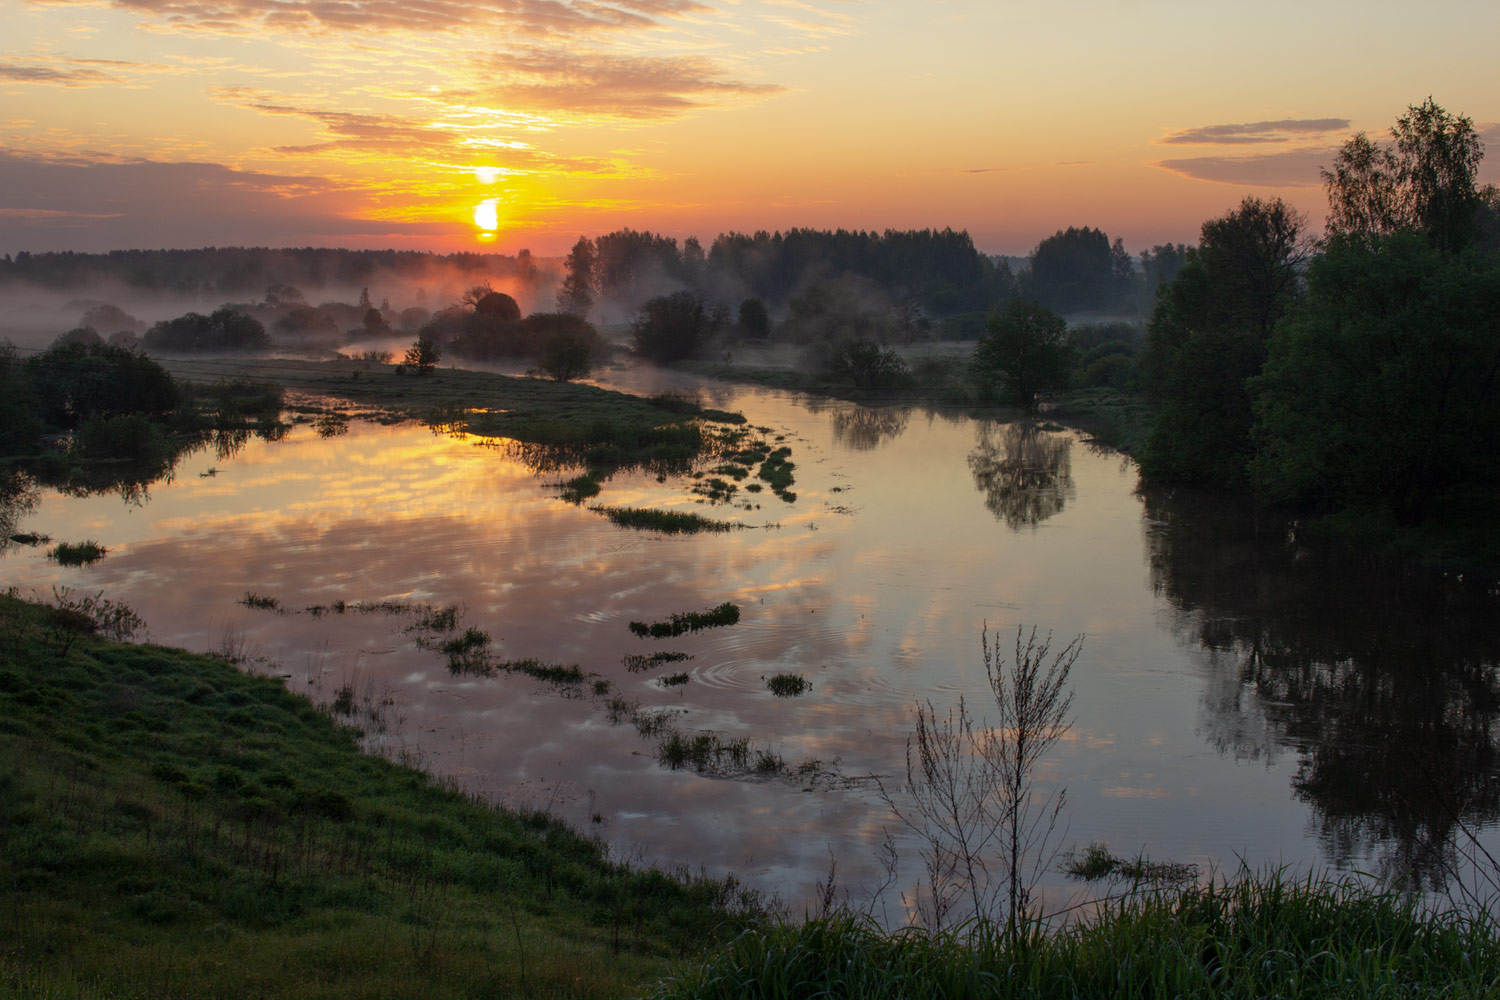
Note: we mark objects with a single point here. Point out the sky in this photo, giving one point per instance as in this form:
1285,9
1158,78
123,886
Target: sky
497,125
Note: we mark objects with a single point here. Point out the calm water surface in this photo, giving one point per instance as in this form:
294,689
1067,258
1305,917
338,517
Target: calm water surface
1240,695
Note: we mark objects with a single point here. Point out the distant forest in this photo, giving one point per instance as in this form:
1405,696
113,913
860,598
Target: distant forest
919,282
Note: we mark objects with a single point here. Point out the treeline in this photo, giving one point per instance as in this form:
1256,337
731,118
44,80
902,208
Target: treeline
250,270
1356,375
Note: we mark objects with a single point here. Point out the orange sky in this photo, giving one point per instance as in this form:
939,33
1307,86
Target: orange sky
373,123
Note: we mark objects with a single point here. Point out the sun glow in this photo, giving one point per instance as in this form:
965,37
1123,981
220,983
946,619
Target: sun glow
487,215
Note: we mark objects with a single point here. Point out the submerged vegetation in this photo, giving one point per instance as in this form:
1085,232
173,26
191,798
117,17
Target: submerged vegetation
669,522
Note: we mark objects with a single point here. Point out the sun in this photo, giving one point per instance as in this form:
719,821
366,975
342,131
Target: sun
487,218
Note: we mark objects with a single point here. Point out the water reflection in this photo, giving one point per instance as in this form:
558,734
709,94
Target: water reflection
1024,472
863,428
1381,679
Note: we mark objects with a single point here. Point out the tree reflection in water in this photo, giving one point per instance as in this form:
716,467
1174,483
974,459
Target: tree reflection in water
863,428
1381,678
1024,472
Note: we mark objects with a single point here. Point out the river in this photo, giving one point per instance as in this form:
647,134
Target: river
1242,694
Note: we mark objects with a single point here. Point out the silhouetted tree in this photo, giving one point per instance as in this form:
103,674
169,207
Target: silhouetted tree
672,327
1026,351
1424,180
754,321
1209,334
576,295
423,354
499,306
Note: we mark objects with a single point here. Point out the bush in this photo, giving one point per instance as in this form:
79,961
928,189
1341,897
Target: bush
225,330
672,327
867,364
75,382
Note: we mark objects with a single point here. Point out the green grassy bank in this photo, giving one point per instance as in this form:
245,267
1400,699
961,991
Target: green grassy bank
172,827
1253,939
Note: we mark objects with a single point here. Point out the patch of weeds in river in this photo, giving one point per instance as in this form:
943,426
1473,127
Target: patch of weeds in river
788,685
669,522
580,488
30,538
260,602
638,662
715,490
330,425
776,470
689,621
674,680
735,472
1096,863
77,553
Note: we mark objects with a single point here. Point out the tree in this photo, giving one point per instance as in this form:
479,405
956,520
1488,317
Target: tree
754,321
499,306
672,327
970,791
1423,180
576,295
1379,392
867,364
1209,333
567,353
1080,269
423,354
1027,351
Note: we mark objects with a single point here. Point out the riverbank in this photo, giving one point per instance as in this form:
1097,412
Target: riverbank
173,826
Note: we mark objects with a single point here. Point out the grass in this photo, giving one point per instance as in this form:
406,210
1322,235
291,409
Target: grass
77,554
689,621
669,522
1245,939
260,601
788,685
674,680
174,827
637,662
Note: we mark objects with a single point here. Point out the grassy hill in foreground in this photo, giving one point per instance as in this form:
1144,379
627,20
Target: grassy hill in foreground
172,827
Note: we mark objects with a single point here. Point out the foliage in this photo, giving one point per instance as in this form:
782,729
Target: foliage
498,305
1380,391
75,382
672,327
1208,335
754,320
423,354
568,352
1027,351
1079,269
1424,180
225,329
576,295
867,364
1246,938
20,426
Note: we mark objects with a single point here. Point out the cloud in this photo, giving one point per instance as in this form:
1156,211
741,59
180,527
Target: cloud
452,137
95,205
637,87
1291,168
72,77
522,17
1283,130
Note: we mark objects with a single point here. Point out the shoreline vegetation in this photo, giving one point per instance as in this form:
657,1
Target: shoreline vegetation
173,825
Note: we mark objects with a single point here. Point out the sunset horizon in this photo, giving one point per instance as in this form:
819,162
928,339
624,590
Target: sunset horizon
496,127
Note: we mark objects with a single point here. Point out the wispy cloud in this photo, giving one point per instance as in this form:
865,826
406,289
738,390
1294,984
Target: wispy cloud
74,76
521,17
1280,131
634,87
1290,168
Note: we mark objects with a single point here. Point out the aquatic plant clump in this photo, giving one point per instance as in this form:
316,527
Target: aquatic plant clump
666,521
77,554
690,621
788,685
638,662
